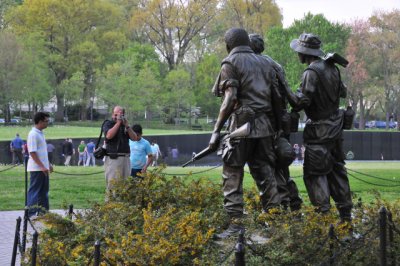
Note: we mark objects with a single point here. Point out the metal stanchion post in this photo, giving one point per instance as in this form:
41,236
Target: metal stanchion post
239,250
382,235
25,229
34,247
16,240
331,238
70,211
26,181
391,239
97,253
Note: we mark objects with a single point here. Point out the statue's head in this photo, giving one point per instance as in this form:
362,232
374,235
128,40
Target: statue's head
236,37
308,44
256,43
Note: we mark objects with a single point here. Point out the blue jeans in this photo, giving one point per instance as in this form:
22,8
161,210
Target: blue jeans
38,193
134,173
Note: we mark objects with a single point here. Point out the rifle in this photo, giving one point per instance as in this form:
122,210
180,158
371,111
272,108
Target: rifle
336,58
240,132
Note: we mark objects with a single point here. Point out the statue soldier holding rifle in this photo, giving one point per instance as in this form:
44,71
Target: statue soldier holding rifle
247,84
319,94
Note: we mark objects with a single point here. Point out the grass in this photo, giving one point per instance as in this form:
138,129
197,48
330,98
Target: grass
70,185
60,132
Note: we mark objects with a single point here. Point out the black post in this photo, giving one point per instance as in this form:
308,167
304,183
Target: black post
70,211
97,253
26,181
34,247
239,250
16,240
382,235
331,247
25,229
391,239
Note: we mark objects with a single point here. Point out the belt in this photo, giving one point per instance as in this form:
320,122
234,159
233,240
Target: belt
119,154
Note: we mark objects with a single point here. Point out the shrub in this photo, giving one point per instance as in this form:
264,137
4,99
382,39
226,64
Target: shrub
168,221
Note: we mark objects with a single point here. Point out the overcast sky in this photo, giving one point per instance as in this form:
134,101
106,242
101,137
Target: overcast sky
333,10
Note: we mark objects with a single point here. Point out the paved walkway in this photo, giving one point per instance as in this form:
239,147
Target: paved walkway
8,221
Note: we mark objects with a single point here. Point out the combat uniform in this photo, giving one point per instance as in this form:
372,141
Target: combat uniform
256,86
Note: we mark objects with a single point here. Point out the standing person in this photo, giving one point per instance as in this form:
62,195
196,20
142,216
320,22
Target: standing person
246,83
141,153
16,150
89,153
67,150
117,133
26,153
156,152
296,149
82,153
50,152
319,94
73,152
38,166
286,186
175,153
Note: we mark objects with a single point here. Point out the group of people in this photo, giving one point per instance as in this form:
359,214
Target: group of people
85,153
254,91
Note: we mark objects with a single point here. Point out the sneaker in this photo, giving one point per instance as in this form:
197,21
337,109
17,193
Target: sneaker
232,231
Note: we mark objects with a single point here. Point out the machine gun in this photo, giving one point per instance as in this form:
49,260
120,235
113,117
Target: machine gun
241,132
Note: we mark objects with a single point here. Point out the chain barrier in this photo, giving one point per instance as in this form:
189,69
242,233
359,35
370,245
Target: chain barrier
194,173
227,256
62,173
346,246
370,183
8,168
380,178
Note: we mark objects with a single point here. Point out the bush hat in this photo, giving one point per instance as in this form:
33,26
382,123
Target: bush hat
307,43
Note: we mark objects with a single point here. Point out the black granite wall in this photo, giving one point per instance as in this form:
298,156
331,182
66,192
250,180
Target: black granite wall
363,144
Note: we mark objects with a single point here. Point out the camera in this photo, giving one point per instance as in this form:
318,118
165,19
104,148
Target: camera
121,117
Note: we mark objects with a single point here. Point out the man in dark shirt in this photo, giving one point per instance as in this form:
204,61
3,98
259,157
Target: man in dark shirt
247,84
68,150
117,132
319,94
16,149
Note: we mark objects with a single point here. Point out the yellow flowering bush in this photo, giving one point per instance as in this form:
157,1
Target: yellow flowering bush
171,221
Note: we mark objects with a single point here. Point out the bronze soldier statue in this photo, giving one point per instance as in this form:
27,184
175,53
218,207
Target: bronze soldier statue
246,82
286,186
321,88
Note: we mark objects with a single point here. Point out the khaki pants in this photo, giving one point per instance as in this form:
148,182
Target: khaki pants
116,168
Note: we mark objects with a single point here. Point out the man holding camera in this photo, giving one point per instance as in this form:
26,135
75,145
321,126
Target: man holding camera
117,134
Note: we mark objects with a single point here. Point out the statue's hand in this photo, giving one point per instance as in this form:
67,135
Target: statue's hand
214,141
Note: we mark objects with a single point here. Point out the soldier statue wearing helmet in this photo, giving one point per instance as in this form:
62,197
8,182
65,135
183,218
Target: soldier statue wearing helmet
319,94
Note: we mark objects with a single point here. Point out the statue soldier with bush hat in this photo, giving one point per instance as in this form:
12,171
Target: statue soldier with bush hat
286,186
246,83
319,94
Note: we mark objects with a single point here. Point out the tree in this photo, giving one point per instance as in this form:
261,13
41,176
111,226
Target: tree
362,92
384,47
253,15
205,75
65,26
177,94
171,25
10,54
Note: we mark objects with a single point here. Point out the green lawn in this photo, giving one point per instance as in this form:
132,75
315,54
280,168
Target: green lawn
60,132
80,189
